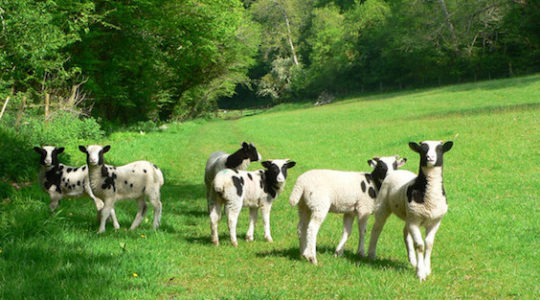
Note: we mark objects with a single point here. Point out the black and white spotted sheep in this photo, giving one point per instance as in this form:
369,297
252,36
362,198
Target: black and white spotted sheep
218,161
257,189
62,181
352,194
419,200
136,180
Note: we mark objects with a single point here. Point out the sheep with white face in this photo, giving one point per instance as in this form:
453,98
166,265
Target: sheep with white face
137,180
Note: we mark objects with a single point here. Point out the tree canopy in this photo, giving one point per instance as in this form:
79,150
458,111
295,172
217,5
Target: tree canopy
174,59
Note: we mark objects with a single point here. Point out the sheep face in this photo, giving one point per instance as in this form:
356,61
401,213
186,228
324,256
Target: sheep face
431,152
382,166
250,152
49,155
277,169
94,154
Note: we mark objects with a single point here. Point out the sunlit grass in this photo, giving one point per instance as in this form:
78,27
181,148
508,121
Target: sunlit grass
487,245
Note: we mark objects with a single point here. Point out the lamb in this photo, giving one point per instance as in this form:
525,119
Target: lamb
257,189
419,200
352,194
136,180
218,161
62,181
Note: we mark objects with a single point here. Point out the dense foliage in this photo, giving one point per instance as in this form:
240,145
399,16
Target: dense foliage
160,60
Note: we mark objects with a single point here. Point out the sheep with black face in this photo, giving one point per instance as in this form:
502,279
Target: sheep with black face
136,180
419,200
318,192
63,181
257,189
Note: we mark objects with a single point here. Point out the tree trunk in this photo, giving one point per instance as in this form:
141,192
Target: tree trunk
19,114
6,103
47,98
449,23
289,34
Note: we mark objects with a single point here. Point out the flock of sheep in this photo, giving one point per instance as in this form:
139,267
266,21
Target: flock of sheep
418,199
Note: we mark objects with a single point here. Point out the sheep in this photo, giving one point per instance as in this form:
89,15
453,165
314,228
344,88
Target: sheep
136,180
257,189
352,194
218,161
62,181
419,200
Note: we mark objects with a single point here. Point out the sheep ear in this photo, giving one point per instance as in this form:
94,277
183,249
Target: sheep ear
290,164
447,146
414,147
59,150
82,149
372,162
245,146
106,148
267,164
38,150
401,162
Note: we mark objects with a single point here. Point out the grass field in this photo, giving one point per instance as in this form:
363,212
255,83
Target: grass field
487,246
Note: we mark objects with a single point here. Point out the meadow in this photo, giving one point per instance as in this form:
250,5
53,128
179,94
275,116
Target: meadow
487,246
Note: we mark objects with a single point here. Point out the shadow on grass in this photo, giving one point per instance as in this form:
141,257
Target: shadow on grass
499,109
294,255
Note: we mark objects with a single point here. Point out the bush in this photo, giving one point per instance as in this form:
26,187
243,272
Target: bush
17,159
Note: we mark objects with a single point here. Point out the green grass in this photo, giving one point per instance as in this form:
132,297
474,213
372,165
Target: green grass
487,246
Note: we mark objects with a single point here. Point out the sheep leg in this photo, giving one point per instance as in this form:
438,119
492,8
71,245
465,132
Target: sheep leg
214,208
265,211
304,215
317,217
407,238
381,216
105,213
140,213
362,228
156,203
55,198
252,220
233,210
430,239
348,220
419,246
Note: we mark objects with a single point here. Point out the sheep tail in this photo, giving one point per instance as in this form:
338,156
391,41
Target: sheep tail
159,176
296,194
219,182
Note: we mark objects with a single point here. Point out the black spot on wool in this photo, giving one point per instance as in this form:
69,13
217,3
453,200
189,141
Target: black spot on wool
144,170
83,168
238,183
53,178
363,185
250,177
109,180
78,182
372,192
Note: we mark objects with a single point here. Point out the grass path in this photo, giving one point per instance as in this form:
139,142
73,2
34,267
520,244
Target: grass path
487,246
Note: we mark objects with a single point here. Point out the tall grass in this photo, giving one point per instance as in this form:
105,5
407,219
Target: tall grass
487,246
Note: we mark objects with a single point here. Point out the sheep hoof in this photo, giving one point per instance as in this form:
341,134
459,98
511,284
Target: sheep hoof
269,239
235,244
371,256
215,242
338,253
421,275
311,259
249,239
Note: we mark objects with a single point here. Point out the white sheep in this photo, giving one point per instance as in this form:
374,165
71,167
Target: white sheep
136,180
318,192
257,189
419,200
218,161
62,181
